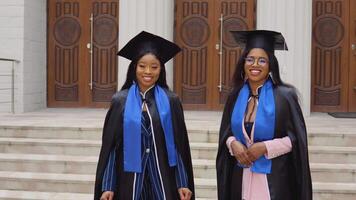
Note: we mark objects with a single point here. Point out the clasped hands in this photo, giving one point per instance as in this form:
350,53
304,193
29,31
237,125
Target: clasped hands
246,156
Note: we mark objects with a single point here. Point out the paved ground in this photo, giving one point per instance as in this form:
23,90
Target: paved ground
207,120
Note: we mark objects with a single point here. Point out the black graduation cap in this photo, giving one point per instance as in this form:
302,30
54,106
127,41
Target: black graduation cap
264,39
146,42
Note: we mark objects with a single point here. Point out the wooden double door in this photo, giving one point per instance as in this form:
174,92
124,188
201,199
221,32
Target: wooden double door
204,68
81,50
334,56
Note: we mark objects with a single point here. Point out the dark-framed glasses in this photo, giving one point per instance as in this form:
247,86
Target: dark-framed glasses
250,60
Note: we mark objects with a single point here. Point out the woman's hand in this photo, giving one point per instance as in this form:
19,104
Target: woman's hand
256,150
107,195
240,153
184,193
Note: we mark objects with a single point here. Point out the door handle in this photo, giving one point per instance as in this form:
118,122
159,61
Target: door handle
217,47
90,46
221,19
353,47
354,87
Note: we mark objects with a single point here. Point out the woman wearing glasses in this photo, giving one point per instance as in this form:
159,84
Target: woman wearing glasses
263,151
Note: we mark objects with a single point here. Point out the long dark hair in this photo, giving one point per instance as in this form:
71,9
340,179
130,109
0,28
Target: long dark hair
131,72
239,74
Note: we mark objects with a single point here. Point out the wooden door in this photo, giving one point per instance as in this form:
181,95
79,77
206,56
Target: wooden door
201,77
82,62
105,44
192,69
236,15
352,66
333,62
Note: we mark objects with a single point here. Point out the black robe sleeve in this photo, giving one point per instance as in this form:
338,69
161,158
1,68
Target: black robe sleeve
298,135
181,138
224,161
112,125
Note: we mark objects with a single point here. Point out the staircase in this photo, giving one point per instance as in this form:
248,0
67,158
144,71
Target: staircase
42,162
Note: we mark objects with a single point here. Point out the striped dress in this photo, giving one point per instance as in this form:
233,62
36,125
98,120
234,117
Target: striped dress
148,184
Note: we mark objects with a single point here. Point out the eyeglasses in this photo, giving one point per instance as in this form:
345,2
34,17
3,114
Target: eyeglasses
260,61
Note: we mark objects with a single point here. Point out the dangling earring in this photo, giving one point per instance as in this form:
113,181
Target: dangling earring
270,75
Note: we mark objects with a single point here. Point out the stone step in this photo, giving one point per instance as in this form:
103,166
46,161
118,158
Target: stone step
206,188
317,154
46,182
43,132
332,154
71,183
328,138
202,168
205,198
206,151
334,191
331,172
68,164
36,195
81,147
65,164
85,133
316,136
342,139
203,136
321,172
50,146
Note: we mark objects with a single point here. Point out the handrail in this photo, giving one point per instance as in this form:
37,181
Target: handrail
12,81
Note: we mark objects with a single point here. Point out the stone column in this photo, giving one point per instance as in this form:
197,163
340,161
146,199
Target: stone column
155,16
292,18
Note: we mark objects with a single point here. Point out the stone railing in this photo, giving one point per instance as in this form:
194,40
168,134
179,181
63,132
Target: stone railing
7,83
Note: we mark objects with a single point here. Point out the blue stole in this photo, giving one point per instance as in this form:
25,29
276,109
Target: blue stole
264,121
132,128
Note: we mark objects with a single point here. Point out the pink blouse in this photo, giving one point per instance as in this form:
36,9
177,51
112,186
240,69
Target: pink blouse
251,181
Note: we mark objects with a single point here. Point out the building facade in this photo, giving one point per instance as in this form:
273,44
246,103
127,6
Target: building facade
64,51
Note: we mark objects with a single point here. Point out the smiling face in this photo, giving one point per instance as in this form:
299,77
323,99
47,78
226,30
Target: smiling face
147,71
256,66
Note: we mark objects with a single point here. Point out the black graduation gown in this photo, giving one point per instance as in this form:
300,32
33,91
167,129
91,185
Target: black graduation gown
290,175
113,137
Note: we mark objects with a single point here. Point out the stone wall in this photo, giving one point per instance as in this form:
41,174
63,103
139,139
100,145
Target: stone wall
23,38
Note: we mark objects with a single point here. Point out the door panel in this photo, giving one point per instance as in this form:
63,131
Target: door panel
66,54
199,72
352,74
330,56
71,68
194,36
105,36
237,15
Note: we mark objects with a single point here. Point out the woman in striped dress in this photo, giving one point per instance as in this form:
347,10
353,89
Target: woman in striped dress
145,150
